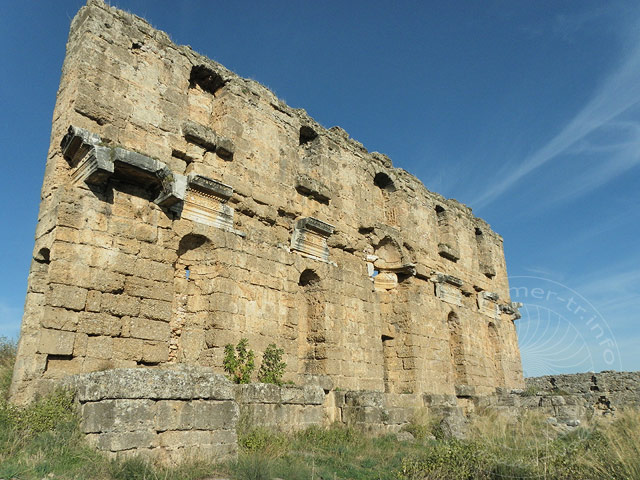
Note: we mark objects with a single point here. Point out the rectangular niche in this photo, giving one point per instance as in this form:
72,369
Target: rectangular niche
206,202
310,238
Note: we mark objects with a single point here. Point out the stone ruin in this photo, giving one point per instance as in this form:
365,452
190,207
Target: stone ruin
184,208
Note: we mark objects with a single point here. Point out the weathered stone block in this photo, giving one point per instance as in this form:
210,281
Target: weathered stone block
56,342
118,441
99,324
182,382
149,329
67,296
60,319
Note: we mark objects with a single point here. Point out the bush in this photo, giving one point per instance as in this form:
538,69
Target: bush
239,362
7,359
272,367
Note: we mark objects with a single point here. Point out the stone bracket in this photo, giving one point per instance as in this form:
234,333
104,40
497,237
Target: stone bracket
77,143
174,189
310,238
449,294
205,202
487,304
95,168
512,309
447,288
95,163
200,135
444,278
208,139
210,186
313,188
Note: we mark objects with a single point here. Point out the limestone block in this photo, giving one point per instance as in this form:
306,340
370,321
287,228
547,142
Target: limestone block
56,342
147,329
118,441
258,393
93,301
128,348
99,324
449,251
95,168
146,233
60,319
210,415
398,415
363,415
385,281
121,415
205,202
155,309
226,148
77,143
306,395
364,399
219,452
67,296
182,382
119,304
99,347
312,187
194,438
200,135
151,289
155,352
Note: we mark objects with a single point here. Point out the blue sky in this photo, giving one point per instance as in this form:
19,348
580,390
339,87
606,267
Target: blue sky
528,112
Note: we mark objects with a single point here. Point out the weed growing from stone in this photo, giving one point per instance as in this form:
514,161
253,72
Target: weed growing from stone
239,362
272,367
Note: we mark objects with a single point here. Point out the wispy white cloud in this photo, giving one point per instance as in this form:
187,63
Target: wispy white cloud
619,93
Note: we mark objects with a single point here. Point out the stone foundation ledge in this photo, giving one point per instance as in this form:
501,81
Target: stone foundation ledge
174,414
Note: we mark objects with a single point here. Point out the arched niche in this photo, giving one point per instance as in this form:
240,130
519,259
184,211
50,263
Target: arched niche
312,326
456,348
194,270
494,355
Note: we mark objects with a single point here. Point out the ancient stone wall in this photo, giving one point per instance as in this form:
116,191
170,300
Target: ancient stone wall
182,412
172,415
184,208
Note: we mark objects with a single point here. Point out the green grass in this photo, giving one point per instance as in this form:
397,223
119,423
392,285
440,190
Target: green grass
43,440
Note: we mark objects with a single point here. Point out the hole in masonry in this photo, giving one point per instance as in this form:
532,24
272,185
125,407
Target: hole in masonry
308,278
403,277
43,256
187,272
307,134
384,182
206,79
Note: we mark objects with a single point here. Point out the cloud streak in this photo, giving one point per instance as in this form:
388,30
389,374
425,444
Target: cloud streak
619,93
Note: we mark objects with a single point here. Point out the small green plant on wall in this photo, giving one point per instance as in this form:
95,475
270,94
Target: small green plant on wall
272,367
239,362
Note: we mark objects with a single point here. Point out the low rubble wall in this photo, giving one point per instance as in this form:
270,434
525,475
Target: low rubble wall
184,412
172,415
